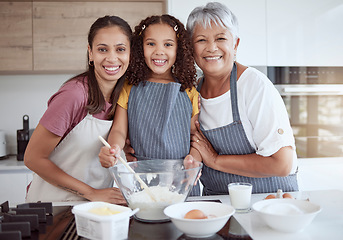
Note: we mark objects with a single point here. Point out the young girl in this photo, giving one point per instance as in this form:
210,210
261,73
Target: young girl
64,147
159,103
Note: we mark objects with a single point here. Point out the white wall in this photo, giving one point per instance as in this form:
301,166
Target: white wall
282,33
24,94
251,16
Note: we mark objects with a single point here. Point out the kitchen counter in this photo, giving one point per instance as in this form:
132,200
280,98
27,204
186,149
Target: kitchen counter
328,224
11,164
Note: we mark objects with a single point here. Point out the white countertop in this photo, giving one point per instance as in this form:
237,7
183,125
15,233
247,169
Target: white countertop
328,224
12,164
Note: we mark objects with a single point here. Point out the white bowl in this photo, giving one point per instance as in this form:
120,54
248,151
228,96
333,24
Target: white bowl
199,228
96,226
286,215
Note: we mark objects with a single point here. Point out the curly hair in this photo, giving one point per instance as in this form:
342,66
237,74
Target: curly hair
184,69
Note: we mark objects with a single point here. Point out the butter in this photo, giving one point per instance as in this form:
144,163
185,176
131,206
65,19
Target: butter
103,211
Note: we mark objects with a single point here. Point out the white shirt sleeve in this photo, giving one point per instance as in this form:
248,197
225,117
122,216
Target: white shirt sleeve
264,115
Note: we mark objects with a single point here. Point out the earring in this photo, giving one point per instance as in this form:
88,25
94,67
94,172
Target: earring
91,63
173,69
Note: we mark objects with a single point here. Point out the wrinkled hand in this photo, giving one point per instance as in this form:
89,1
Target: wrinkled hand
110,195
128,150
109,157
205,148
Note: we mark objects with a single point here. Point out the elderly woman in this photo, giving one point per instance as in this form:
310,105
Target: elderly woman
244,133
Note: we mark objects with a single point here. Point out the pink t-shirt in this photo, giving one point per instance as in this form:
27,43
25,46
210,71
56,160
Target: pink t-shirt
67,107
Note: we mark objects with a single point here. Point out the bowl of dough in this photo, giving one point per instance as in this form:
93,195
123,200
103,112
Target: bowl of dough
287,215
152,185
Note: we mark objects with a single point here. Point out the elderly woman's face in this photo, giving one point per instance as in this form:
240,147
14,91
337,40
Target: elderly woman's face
214,49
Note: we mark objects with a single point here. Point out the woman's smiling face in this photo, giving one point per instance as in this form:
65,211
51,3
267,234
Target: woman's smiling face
214,49
110,53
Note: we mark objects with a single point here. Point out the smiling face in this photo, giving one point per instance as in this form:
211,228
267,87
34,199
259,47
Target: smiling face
214,49
110,53
160,48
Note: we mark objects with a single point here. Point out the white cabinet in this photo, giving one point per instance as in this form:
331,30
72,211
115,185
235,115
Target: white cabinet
13,186
251,15
14,178
304,33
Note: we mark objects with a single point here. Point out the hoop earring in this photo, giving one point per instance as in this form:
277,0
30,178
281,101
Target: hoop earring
91,63
173,69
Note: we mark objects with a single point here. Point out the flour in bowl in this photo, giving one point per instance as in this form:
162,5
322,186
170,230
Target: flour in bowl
153,210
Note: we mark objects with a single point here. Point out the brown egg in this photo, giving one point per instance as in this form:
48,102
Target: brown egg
287,195
270,196
195,214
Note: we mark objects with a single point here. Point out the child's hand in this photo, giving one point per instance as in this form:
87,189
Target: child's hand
190,162
109,156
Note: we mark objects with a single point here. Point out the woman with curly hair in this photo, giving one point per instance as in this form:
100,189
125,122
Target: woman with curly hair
159,103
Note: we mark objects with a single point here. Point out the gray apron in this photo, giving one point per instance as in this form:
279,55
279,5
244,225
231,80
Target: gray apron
159,117
232,140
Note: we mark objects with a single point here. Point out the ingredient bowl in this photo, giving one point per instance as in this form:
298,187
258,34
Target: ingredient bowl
167,182
217,216
286,215
102,221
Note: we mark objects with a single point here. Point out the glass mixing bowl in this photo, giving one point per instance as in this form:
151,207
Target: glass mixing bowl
165,182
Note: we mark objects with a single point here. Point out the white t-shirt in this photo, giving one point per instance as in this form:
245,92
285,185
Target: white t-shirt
262,112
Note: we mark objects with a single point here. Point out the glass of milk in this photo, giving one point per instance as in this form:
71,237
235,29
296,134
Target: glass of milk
240,196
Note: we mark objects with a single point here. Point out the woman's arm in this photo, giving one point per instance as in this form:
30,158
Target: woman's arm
250,165
116,138
41,144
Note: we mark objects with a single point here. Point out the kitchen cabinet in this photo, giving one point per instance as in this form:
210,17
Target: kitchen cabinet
51,36
60,29
14,178
304,33
13,186
16,36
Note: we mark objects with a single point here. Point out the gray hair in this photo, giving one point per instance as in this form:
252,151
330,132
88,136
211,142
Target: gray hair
213,12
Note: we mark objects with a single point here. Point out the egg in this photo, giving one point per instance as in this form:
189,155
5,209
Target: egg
287,195
270,196
195,214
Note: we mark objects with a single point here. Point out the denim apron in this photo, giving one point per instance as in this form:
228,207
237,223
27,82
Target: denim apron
232,140
159,117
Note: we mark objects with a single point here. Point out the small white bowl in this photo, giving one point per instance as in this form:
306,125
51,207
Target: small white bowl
286,215
199,228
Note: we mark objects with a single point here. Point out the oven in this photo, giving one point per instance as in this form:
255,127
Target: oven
314,100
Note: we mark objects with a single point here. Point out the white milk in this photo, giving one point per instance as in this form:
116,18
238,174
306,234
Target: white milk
153,210
240,195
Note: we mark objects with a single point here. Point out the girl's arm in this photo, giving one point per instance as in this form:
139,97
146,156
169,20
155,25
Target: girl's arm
41,144
193,151
116,138
194,155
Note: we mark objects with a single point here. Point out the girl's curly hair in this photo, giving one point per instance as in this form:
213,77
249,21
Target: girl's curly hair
184,70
